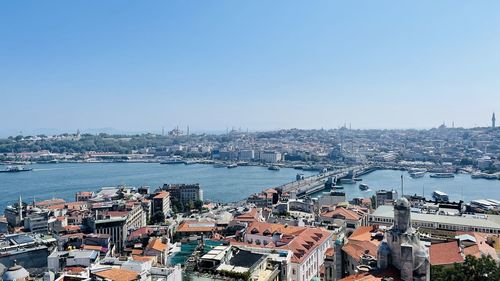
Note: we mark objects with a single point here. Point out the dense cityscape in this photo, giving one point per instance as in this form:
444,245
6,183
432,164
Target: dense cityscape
282,233
249,140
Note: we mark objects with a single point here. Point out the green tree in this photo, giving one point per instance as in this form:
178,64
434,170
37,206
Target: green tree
198,204
472,269
158,217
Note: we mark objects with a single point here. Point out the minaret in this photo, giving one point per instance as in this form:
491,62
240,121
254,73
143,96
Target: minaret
493,119
20,209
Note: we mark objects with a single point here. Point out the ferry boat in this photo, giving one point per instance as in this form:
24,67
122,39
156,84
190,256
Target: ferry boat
417,174
440,196
173,161
273,168
348,181
442,175
15,169
231,166
363,186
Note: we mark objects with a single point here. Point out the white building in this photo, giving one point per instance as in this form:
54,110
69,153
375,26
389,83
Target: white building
270,156
307,244
58,260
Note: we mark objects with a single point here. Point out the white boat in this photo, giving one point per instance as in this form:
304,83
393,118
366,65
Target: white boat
363,186
440,196
348,181
15,169
442,175
417,174
273,168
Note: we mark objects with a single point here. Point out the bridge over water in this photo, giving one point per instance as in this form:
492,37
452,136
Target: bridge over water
315,183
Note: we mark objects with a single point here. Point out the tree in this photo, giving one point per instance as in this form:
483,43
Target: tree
472,269
158,217
198,204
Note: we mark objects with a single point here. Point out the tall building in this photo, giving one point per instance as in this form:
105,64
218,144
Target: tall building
161,202
184,193
402,247
493,119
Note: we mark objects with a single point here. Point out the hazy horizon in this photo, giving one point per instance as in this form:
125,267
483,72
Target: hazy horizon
212,65
53,131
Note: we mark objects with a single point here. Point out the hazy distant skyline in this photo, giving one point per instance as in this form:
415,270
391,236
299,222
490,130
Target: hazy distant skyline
136,66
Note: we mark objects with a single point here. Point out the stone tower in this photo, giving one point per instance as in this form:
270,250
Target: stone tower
402,247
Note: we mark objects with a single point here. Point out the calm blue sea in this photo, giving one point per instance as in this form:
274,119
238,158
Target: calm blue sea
219,184
63,180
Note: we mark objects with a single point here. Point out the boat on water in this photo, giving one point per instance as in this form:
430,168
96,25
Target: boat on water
231,166
190,162
440,196
357,179
442,175
348,181
485,176
15,169
363,186
273,168
299,177
417,174
173,161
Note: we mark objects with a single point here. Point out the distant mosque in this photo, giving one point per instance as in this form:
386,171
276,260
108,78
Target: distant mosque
493,119
402,247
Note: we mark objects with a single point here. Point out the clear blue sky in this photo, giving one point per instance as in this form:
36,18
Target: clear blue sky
140,65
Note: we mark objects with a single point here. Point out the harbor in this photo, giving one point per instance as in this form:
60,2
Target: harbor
229,185
460,187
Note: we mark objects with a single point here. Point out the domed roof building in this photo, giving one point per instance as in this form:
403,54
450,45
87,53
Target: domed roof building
16,273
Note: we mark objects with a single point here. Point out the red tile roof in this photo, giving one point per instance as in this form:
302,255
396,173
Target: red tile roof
445,253
343,213
249,216
361,241
140,232
156,244
300,240
161,195
197,226
115,274
49,202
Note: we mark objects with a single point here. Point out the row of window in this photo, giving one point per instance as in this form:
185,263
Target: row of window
451,227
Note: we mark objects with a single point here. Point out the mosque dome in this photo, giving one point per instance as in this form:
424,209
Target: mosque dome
15,273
